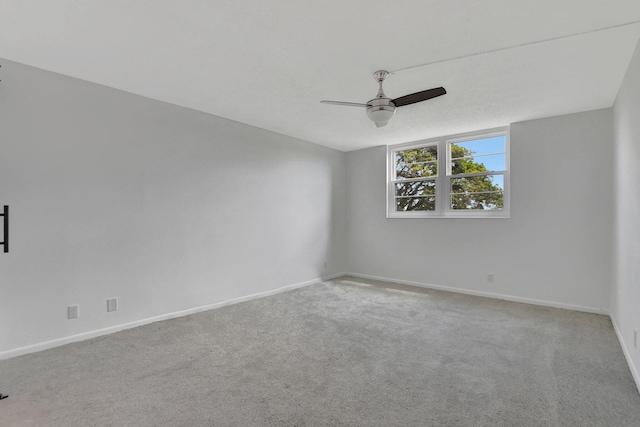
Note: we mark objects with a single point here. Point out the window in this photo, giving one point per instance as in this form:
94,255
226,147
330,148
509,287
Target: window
455,176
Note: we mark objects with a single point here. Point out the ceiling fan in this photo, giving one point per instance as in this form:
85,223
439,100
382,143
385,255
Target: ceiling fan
380,109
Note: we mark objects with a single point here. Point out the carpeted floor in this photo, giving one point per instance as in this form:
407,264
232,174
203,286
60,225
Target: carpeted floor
338,353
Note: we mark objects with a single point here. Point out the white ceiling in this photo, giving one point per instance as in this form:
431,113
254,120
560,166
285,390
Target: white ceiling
268,63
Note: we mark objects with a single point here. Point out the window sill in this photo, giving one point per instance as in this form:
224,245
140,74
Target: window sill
503,215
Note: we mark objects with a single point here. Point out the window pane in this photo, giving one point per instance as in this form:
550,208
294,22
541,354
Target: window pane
473,164
417,163
415,188
478,155
416,203
477,192
415,195
495,144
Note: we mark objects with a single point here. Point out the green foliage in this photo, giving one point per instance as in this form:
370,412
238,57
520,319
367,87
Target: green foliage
477,192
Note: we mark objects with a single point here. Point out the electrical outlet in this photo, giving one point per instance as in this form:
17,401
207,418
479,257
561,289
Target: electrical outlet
73,312
490,277
112,304
635,338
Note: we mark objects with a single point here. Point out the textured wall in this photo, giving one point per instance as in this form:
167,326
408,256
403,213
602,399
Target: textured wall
555,248
116,195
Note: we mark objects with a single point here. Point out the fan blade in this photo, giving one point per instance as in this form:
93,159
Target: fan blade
346,104
381,124
419,96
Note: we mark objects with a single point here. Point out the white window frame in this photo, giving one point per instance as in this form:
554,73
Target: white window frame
443,180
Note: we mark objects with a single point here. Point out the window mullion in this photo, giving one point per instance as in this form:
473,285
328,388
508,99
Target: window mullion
443,181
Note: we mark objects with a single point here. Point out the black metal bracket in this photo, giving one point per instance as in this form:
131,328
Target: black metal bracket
5,214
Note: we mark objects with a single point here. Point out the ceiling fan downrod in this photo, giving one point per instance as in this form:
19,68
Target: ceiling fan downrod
379,76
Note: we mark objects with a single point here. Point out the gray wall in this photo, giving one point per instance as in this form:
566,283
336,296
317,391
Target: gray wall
116,195
554,249
626,229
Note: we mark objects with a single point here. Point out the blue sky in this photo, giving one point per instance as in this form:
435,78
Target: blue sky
491,145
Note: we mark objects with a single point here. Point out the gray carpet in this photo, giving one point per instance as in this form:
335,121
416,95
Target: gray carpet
337,353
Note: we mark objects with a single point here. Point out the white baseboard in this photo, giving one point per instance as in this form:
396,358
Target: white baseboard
99,332
627,354
487,294
105,331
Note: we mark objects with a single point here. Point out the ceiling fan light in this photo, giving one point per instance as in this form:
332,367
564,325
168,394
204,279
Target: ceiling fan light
380,113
